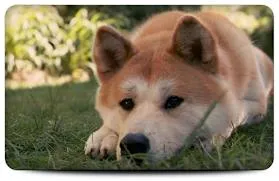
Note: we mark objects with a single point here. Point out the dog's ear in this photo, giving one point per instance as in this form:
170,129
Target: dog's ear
111,50
193,42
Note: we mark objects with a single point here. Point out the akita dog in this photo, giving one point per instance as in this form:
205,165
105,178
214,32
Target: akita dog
156,85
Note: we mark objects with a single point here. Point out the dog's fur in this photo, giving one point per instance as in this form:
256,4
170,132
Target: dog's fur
201,57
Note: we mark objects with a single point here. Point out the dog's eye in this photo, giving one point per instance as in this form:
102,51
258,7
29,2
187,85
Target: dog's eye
173,102
127,104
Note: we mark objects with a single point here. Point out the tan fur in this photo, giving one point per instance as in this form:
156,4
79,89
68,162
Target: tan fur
160,60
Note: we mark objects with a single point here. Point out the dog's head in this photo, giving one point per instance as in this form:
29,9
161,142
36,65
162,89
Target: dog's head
155,95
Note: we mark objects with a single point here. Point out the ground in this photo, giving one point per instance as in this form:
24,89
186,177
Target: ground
46,128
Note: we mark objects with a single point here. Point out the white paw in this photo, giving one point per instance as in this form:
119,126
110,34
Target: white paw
101,145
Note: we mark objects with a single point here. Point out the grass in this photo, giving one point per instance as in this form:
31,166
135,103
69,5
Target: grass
46,128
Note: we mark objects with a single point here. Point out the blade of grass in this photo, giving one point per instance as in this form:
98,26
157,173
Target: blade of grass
192,136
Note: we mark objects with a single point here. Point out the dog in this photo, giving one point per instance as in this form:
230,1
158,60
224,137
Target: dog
156,85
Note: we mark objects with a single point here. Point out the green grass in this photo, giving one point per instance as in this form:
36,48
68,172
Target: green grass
46,128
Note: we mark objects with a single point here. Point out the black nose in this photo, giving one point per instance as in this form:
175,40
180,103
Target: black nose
134,143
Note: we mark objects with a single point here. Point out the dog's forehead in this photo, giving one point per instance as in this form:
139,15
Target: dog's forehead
144,89
140,84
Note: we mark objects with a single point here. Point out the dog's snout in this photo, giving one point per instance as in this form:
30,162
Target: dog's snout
134,143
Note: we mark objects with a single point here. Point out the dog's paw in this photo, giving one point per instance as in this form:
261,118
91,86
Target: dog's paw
100,145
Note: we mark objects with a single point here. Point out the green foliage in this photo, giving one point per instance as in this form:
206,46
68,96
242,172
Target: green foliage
35,39
81,31
38,38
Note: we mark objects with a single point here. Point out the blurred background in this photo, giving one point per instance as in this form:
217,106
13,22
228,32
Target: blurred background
51,45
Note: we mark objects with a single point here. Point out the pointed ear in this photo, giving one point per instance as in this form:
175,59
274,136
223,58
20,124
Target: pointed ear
111,51
194,43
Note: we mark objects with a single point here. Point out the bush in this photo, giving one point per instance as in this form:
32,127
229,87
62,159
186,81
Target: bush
35,39
38,38
81,31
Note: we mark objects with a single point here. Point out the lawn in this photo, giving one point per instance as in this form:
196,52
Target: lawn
46,128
